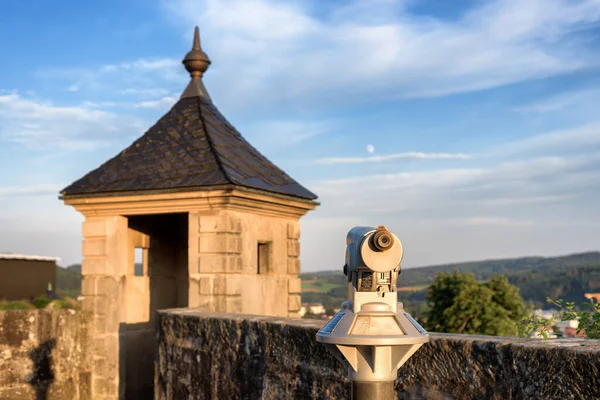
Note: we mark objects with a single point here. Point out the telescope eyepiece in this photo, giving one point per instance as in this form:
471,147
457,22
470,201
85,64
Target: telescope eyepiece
383,240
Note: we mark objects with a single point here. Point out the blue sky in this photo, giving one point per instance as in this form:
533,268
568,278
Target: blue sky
470,128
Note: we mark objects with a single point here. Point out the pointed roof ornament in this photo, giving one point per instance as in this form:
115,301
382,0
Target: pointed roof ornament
191,148
196,62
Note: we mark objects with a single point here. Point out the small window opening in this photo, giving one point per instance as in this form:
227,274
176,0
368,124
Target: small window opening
264,258
138,267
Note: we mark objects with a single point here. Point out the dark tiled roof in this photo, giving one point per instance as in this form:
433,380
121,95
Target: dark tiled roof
190,148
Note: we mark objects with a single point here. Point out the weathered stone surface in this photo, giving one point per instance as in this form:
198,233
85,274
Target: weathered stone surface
204,355
43,354
229,356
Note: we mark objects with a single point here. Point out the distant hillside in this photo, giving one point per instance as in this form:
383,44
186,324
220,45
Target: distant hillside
68,280
484,270
566,277
76,268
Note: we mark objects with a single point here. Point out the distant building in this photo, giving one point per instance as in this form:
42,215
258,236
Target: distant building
593,296
25,276
312,308
546,314
568,328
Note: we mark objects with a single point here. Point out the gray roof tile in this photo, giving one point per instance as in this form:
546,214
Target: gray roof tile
192,147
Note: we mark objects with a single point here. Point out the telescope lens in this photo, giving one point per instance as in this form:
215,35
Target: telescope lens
383,240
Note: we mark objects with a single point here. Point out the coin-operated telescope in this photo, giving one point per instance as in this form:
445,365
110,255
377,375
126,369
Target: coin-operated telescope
372,335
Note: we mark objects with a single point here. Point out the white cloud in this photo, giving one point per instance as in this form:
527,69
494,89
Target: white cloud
38,124
370,149
285,52
537,205
149,92
162,103
160,64
561,102
142,77
515,189
280,134
583,138
497,221
393,157
359,51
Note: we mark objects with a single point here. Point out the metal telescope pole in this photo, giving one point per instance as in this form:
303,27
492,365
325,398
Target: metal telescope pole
373,390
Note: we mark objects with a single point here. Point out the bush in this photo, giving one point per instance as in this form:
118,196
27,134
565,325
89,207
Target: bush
64,304
41,302
535,323
589,319
16,305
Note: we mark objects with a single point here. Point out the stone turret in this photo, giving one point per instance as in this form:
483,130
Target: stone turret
189,215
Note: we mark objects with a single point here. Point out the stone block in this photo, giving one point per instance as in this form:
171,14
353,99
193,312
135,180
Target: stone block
293,230
88,286
112,388
193,291
113,319
88,304
219,223
293,266
234,264
112,352
101,305
294,302
108,286
227,284
99,345
99,388
85,386
219,284
219,243
294,285
233,284
205,303
233,304
100,366
219,304
219,263
94,228
212,263
94,247
293,248
94,266
100,324
206,285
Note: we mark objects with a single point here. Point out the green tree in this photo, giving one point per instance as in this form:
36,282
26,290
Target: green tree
459,304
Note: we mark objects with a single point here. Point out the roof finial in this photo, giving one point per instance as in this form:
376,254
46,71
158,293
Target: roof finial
196,61
196,45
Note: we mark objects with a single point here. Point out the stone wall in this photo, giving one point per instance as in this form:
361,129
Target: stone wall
205,355
43,355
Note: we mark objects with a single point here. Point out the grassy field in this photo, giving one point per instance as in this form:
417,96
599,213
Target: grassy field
412,288
316,286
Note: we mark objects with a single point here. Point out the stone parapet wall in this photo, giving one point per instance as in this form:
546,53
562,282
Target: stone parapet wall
204,355
44,355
